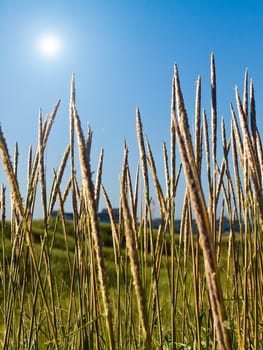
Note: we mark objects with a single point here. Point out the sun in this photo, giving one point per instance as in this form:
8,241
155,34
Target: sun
49,45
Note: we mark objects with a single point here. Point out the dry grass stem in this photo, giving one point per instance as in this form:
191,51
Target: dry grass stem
198,130
133,255
198,202
98,178
143,158
89,196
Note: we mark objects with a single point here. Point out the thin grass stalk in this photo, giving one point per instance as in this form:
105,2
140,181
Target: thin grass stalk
4,262
239,189
143,158
230,185
172,213
235,166
29,165
198,130
253,121
115,233
145,176
253,124
220,231
182,114
237,283
186,232
33,321
222,170
156,265
238,139
127,298
16,239
60,314
160,242
32,179
50,281
61,210
133,209
255,280
95,229
83,235
179,271
134,258
157,320
98,178
156,181
248,148
230,253
153,298
195,264
136,190
117,257
213,111
172,149
88,278
229,200
44,248
259,150
166,172
22,306
66,191
75,198
197,199
230,192
57,180
89,142
49,123
72,151
260,276
72,294
214,143
79,312
245,94
207,153
245,273
41,169
16,154
254,223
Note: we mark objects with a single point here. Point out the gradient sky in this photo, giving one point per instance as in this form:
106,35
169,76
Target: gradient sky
122,53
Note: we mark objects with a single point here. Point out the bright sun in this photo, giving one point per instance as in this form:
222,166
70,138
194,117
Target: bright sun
49,45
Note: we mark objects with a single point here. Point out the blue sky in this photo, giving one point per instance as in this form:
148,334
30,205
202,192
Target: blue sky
122,53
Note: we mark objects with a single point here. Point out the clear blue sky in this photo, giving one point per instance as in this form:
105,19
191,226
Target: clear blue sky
122,53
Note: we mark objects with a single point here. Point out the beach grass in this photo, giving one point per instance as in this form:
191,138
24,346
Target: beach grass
130,284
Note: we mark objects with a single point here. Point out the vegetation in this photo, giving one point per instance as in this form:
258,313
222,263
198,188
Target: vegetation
84,285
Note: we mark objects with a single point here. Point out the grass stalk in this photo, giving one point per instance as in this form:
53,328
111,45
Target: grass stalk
89,197
197,199
134,258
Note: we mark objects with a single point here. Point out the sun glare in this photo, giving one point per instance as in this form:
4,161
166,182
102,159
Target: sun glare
49,45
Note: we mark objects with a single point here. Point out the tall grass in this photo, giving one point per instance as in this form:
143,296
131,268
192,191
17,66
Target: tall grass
70,285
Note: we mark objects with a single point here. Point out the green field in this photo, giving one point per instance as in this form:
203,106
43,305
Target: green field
67,289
